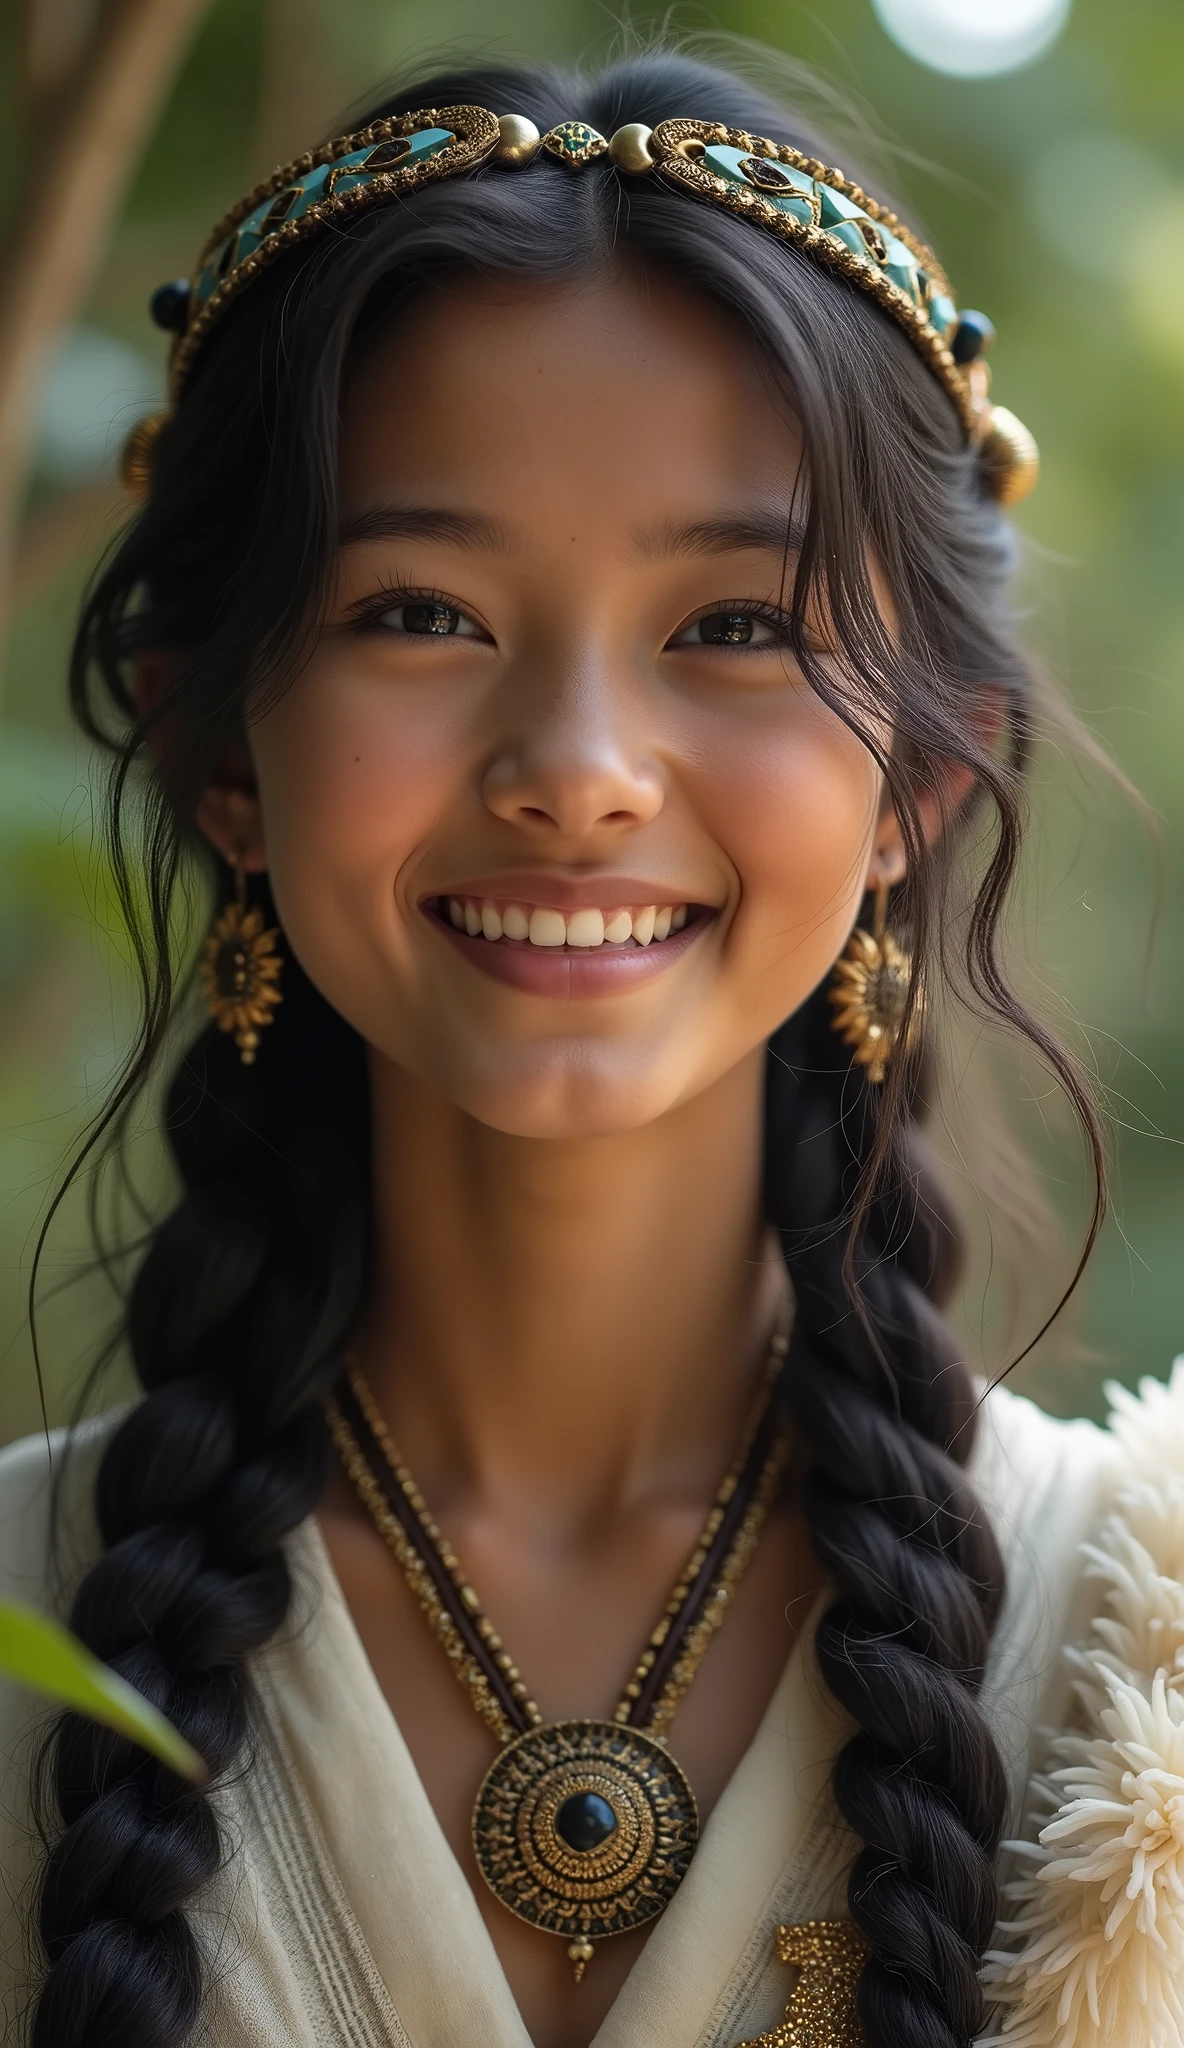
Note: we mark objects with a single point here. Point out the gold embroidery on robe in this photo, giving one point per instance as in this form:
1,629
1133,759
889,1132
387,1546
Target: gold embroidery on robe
828,1955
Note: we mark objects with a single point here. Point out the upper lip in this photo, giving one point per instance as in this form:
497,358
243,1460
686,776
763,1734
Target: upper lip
537,891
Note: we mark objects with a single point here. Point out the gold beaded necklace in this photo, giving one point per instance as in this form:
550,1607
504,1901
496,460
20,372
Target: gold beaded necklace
583,1828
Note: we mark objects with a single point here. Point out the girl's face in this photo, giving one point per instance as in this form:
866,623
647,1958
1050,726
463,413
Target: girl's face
551,700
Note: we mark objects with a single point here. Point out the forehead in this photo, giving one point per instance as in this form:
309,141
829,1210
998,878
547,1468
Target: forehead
625,391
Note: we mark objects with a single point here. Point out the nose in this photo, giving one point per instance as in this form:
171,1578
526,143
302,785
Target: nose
573,767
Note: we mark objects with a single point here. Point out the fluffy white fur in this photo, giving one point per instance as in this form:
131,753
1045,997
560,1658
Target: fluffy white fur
1095,1955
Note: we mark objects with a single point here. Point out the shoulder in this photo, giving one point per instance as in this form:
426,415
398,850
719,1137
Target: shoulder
1044,1484
1095,1913
48,1532
48,1537
1043,1480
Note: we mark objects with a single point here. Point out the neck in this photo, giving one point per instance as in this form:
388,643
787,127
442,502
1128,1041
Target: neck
568,1325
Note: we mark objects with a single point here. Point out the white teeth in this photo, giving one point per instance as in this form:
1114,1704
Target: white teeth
548,928
585,928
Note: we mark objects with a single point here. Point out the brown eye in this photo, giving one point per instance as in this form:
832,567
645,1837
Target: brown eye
428,618
731,627
726,629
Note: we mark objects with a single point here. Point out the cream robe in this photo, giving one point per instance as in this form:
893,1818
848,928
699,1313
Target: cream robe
343,1917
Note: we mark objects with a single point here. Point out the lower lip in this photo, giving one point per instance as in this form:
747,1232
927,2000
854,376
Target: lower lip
570,971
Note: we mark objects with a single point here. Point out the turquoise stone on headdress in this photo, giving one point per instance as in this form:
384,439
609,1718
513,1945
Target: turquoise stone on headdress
790,191
814,203
866,238
573,142
348,174
942,310
775,186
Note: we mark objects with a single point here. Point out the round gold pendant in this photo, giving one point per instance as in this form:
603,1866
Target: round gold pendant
585,1829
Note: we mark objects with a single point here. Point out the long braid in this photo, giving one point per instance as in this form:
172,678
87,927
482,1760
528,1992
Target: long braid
236,1325
885,1409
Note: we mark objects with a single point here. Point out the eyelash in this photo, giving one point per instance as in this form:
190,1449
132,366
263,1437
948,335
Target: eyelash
368,613
389,596
777,617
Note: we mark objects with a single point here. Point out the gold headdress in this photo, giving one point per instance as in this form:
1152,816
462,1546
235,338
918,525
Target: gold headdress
769,184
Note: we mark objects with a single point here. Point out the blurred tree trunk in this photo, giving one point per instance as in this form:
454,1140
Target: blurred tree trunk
93,92
302,90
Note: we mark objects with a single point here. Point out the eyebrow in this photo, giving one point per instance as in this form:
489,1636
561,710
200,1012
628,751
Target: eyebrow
766,532
761,532
472,530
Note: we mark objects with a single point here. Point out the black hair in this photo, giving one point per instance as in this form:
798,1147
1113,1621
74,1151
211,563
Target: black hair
243,1304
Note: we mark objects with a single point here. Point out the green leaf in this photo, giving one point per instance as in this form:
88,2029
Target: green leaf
38,1653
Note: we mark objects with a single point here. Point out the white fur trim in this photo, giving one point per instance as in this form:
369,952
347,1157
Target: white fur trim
1095,1955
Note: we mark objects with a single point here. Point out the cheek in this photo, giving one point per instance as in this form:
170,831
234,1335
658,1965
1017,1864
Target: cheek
352,775
795,807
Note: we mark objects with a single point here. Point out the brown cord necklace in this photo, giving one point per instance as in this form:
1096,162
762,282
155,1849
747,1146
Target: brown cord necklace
583,1828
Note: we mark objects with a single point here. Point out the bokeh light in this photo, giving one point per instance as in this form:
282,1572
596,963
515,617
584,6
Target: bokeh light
973,38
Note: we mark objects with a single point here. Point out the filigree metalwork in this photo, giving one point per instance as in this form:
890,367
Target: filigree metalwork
318,189
584,1828
871,996
239,975
837,221
829,1956
628,1876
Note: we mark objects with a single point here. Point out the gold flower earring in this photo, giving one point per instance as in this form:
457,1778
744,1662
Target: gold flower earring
240,968
871,993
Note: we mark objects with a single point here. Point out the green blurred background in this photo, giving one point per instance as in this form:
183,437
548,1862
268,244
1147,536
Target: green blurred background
1056,193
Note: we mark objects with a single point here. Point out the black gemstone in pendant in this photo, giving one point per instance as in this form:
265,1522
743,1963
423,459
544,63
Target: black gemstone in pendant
585,1821
584,1828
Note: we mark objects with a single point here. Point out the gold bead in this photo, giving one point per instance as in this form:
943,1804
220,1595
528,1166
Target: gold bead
630,148
520,141
1009,456
135,461
580,1953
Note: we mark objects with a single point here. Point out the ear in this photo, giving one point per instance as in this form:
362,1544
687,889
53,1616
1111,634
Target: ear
228,810
939,803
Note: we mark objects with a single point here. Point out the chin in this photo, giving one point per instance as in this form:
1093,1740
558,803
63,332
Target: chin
566,1092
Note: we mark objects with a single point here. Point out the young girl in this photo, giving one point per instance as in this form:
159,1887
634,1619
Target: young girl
569,613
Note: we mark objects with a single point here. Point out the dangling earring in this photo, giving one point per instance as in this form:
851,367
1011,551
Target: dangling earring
871,994
239,970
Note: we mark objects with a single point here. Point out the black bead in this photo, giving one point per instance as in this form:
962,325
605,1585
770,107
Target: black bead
169,305
585,1821
973,336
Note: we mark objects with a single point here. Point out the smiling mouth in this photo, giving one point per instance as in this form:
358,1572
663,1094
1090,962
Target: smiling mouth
584,930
